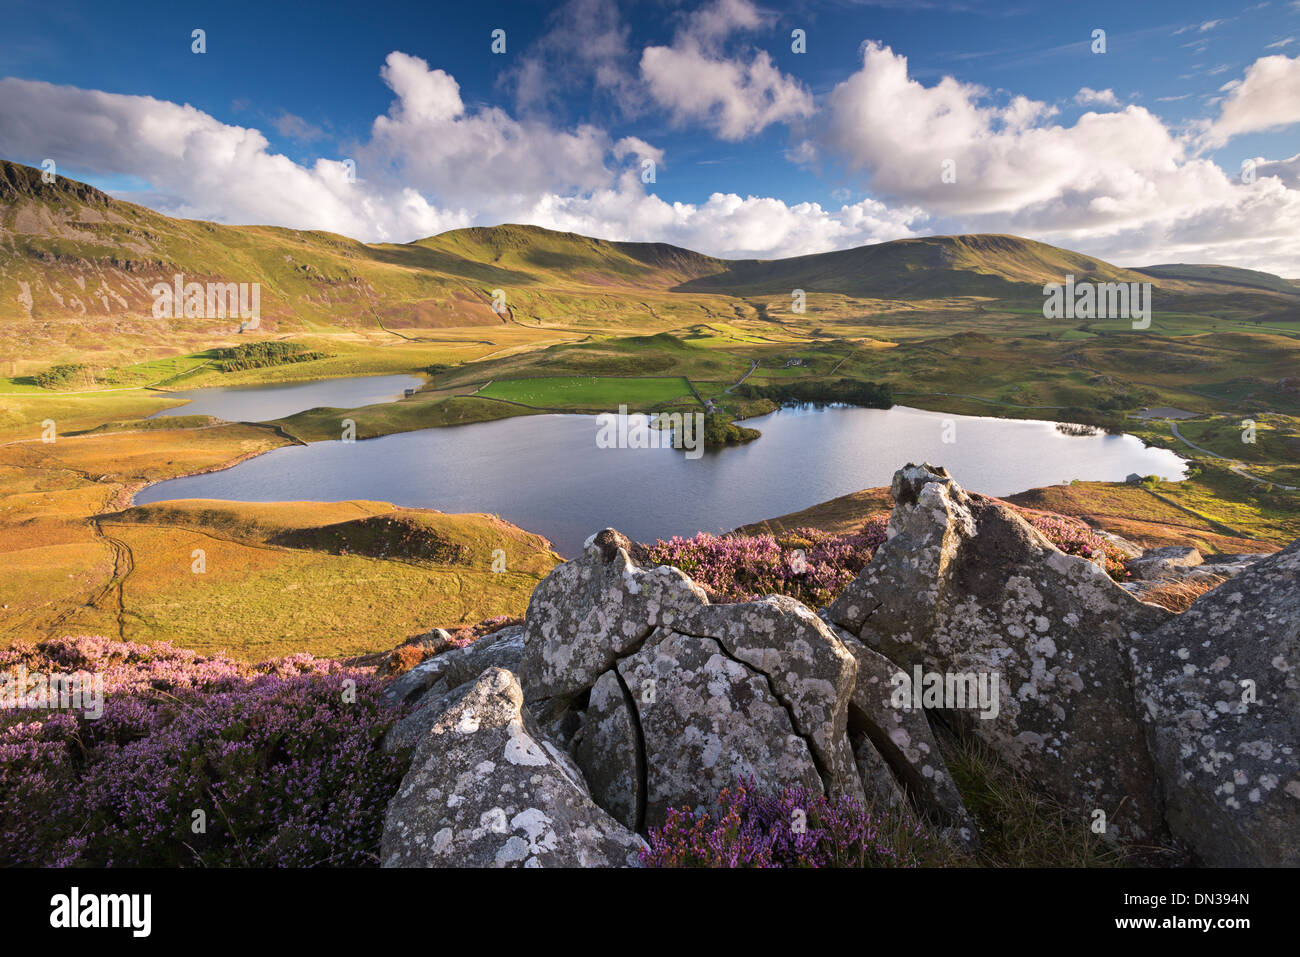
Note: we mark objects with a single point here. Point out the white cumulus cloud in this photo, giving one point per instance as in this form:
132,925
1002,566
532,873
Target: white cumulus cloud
736,95
1267,97
1087,96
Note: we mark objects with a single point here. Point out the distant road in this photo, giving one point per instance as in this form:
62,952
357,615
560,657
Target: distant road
1235,466
753,364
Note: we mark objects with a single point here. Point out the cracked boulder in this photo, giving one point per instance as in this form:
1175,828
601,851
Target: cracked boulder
683,698
969,591
706,721
1220,688
589,612
486,790
810,671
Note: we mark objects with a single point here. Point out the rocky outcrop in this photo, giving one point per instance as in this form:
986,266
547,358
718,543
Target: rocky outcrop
433,685
807,667
1162,562
486,790
967,591
445,671
706,721
899,745
661,698
588,613
1186,569
706,694
1220,689
627,693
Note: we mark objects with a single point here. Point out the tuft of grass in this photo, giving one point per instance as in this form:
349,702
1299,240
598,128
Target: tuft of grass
1020,826
1179,596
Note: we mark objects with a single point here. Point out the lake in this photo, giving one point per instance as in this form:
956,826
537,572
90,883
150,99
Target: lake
261,403
546,473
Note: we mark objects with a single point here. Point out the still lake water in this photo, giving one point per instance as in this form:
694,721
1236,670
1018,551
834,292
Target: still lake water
546,473
261,403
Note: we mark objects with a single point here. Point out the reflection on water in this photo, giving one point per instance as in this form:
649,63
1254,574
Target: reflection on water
259,403
546,473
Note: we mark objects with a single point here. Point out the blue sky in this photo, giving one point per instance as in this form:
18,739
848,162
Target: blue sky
1133,154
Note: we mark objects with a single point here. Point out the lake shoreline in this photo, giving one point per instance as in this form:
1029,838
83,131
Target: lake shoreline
806,455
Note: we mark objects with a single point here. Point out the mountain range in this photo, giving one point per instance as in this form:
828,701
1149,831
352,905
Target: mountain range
70,253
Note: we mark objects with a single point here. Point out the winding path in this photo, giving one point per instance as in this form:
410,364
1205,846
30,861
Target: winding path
1235,466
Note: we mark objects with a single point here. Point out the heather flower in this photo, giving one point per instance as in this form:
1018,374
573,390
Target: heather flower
814,566
806,564
792,828
280,760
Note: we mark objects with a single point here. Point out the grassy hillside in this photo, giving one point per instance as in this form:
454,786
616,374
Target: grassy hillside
77,269
1225,275
335,579
934,267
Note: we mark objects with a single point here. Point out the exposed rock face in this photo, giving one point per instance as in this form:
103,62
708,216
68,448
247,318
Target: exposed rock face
438,680
1162,562
447,670
707,720
902,739
662,699
589,612
1156,568
1125,547
485,790
707,694
635,694
808,668
610,753
965,587
1229,759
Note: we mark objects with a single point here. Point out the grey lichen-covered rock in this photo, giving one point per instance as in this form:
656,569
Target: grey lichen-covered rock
1121,544
449,673
1220,687
589,612
902,735
707,721
411,729
810,672
609,751
590,621
1171,561
486,790
882,789
966,588
442,672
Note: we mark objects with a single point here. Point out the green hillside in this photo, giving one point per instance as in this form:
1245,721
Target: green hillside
1224,275
934,267
77,270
